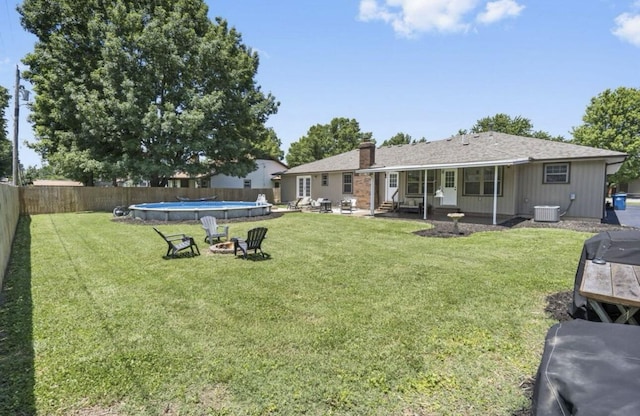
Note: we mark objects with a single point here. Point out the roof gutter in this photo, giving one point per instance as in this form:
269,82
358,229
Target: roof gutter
613,167
507,162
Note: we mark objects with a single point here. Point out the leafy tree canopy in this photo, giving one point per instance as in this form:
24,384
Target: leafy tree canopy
6,147
612,121
143,88
401,138
269,146
324,140
518,126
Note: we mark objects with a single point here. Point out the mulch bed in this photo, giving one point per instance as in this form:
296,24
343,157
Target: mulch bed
445,229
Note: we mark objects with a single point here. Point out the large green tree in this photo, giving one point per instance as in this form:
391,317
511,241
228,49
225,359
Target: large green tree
6,148
503,123
612,121
143,88
269,146
324,140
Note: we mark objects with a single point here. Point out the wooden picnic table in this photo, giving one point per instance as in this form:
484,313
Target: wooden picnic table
616,284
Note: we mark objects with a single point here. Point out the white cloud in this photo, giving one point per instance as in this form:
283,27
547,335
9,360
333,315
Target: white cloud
410,17
498,10
628,28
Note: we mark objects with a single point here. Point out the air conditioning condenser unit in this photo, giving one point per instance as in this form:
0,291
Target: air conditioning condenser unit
546,213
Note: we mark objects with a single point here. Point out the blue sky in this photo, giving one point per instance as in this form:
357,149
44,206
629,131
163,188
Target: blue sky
426,68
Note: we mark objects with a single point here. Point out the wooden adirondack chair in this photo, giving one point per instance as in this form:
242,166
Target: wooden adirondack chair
253,242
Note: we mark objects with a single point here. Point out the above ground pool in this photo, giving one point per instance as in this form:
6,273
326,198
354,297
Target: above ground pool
194,210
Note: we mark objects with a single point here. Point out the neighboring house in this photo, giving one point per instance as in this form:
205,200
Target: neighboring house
184,180
487,173
265,176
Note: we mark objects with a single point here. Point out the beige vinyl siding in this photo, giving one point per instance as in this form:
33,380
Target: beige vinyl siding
586,181
332,192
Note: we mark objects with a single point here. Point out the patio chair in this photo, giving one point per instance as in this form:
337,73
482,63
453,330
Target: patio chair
305,202
214,230
293,205
316,204
253,242
346,206
177,243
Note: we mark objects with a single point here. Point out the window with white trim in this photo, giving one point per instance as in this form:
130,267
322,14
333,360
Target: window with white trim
480,181
415,182
556,173
347,183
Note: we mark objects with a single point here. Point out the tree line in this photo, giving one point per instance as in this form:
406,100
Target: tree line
146,88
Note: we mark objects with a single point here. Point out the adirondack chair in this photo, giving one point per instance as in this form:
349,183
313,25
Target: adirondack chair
253,242
177,243
214,230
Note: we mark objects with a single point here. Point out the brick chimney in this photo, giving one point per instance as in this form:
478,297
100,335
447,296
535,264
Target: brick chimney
367,152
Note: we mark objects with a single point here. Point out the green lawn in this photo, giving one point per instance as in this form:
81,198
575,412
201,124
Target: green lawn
349,316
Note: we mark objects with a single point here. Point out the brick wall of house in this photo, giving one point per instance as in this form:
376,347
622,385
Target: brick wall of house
362,181
362,190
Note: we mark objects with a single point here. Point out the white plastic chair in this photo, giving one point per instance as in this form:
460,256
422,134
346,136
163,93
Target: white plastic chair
214,230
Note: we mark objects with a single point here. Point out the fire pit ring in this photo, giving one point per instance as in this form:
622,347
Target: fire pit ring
222,248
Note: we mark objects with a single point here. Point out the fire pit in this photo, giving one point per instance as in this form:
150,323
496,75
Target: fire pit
222,248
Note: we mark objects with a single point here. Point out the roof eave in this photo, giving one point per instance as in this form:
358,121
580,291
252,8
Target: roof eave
476,164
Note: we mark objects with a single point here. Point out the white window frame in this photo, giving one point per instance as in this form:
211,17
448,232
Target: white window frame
303,186
347,186
554,170
415,182
484,177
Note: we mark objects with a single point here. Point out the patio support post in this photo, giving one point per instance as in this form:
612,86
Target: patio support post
372,197
495,193
424,202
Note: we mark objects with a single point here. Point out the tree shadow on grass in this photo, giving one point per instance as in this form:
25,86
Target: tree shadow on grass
16,328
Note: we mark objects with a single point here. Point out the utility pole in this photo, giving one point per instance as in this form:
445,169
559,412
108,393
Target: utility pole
16,121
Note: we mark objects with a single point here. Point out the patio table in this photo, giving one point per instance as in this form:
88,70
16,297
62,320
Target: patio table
612,283
325,206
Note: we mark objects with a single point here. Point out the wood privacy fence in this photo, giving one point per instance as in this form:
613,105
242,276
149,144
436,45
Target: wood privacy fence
9,214
54,199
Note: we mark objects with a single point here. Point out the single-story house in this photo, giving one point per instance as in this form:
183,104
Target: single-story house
486,173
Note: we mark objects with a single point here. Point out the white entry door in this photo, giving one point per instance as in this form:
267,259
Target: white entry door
392,186
449,186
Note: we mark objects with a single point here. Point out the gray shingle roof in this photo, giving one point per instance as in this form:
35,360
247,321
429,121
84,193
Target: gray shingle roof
462,150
